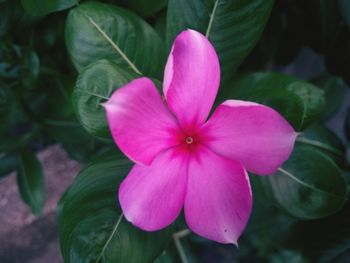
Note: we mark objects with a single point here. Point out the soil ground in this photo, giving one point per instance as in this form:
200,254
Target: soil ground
25,238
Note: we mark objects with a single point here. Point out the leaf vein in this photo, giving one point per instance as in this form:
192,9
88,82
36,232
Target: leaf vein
114,45
110,238
305,184
211,19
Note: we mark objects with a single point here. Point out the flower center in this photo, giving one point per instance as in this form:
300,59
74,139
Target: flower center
189,140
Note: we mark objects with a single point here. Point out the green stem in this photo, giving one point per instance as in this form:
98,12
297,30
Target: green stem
177,236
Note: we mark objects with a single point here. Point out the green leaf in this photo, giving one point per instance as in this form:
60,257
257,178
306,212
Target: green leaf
322,241
323,139
90,224
347,125
43,7
79,144
8,163
309,184
97,31
7,107
334,89
30,181
344,7
94,86
19,63
232,26
298,101
146,7
327,16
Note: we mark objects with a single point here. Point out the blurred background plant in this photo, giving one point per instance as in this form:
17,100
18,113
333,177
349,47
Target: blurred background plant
58,62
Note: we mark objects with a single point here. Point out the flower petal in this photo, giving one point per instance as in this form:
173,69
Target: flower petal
152,197
218,199
253,134
140,123
191,78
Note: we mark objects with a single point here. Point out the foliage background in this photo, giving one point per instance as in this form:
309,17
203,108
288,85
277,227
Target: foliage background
59,61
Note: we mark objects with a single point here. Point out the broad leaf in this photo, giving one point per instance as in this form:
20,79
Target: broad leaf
298,101
344,7
94,86
90,224
232,26
146,7
79,144
323,139
30,181
8,163
335,89
322,241
97,31
44,7
309,184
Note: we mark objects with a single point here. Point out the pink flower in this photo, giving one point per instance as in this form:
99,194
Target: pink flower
184,160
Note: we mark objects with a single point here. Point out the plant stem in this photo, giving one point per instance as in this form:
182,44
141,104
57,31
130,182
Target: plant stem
177,236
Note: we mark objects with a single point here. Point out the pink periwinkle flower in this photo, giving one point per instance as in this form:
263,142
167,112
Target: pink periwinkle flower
184,160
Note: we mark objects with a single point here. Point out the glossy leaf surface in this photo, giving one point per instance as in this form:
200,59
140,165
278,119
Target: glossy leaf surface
298,101
233,27
94,86
90,224
309,185
43,7
30,181
97,31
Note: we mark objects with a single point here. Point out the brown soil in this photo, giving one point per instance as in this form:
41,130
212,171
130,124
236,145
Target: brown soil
25,238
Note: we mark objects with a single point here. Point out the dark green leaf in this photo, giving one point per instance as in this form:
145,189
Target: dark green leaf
315,241
30,181
309,185
165,258
321,241
7,106
146,7
328,17
325,140
19,63
232,26
88,216
8,163
30,68
298,101
334,89
95,84
79,145
160,24
97,31
347,124
44,7
344,6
